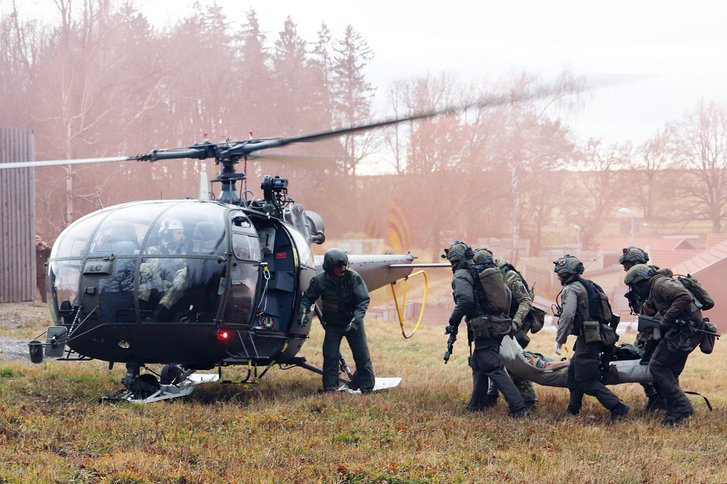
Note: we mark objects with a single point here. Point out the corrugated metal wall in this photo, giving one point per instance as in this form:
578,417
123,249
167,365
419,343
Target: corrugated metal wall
17,217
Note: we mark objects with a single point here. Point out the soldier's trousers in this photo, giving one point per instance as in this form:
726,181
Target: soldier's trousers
645,342
486,364
584,377
525,387
666,366
359,349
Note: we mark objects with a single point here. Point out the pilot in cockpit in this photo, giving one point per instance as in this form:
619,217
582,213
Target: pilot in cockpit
164,277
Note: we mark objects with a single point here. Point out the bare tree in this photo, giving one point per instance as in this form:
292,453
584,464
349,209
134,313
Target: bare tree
701,149
395,137
656,155
522,142
599,191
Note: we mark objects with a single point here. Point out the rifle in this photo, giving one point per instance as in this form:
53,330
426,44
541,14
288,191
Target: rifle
452,332
634,302
647,323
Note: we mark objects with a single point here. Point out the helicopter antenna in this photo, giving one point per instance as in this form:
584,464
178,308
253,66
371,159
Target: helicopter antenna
204,192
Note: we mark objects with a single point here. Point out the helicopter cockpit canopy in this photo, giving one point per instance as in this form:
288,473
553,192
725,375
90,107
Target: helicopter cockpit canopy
135,228
152,261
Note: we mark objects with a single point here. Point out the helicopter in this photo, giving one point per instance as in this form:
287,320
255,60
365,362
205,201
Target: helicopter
229,291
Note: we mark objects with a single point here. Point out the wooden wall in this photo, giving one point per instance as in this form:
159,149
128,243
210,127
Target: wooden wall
17,217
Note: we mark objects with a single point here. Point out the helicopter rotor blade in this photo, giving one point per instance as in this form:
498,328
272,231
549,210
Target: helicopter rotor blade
33,164
484,102
229,152
288,157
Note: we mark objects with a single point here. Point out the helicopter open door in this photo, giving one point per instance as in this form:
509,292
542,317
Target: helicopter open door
284,264
244,270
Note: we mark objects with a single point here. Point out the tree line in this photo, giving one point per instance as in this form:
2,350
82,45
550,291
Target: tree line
103,81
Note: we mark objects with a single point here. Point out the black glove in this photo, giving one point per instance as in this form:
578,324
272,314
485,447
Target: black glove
450,329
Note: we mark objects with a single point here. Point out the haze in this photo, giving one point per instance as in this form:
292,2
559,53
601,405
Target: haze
563,171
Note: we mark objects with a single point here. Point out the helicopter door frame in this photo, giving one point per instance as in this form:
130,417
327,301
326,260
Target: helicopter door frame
277,288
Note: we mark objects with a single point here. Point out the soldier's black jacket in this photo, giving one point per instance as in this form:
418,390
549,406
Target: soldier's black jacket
671,301
343,299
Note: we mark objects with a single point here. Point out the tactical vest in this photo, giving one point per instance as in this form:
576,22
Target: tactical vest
338,300
601,323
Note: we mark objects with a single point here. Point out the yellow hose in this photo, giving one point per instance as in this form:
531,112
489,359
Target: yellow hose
399,313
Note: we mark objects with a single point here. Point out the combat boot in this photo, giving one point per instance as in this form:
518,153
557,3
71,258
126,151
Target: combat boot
675,418
519,413
619,412
654,403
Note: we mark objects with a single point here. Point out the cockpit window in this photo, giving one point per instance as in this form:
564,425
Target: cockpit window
241,223
246,247
73,242
118,237
188,229
149,261
153,228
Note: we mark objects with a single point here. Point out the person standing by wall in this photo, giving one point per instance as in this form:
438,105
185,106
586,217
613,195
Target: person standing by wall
42,254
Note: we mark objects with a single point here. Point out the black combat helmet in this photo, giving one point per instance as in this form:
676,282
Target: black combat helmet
483,257
634,255
638,273
568,265
457,251
334,258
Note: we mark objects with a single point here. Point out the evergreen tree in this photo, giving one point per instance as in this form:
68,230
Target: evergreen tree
352,94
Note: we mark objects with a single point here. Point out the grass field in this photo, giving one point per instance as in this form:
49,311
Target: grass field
53,428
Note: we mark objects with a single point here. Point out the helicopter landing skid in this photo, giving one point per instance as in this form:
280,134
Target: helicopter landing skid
381,384
167,392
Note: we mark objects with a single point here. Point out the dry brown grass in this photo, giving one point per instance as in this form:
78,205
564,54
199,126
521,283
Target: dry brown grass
52,428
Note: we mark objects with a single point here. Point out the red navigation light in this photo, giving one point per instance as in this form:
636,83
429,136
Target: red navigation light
223,335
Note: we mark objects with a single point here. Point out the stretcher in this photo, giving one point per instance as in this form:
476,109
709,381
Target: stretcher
553,373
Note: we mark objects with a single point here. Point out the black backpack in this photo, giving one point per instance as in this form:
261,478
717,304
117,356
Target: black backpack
699,292
491,293
599,309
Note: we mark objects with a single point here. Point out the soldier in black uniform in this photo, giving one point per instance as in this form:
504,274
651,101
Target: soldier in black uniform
520,307
345,300
584,369
645,342
485,361
673,304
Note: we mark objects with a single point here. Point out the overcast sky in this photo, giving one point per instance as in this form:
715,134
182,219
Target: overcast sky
675,51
